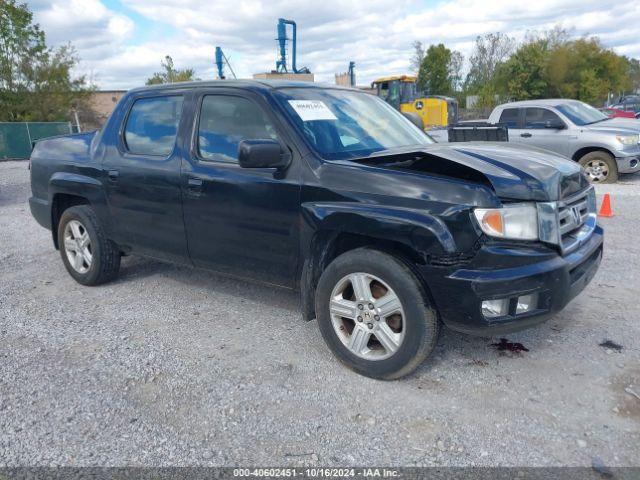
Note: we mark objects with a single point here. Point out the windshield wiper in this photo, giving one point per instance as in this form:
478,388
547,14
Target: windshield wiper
598,121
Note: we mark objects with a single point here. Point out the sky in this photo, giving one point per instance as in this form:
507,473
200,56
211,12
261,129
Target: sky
122,42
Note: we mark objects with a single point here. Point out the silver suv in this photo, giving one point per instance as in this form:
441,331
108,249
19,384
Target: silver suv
603,146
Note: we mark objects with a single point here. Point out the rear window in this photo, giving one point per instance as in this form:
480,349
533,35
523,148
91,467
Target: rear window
510,116
152,125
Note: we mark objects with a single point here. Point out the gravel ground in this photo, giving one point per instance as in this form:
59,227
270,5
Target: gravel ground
173,366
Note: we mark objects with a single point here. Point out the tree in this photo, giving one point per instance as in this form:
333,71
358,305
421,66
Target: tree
455,68
170,74
418,56
489,52
35,80
440,71
551,65
524,75
634,73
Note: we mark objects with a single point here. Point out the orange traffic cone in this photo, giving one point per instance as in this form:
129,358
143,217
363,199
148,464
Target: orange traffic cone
605,208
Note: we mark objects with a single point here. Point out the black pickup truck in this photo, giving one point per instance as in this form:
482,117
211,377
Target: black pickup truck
330,191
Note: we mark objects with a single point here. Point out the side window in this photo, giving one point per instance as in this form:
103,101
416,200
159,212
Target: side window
225,121
537,118
383,90
510,117
631,105
152,125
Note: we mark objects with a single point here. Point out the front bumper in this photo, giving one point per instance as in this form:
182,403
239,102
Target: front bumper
502,270
628,164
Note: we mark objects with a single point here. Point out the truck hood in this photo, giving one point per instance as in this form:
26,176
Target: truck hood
513,172
618,125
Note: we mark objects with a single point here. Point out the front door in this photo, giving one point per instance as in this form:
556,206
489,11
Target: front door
242,221
536,124
142,177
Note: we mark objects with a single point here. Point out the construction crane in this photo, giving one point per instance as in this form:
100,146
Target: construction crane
281,64
221,59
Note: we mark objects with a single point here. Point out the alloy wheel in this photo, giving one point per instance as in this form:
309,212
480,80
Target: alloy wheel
597,170
367,316
77,246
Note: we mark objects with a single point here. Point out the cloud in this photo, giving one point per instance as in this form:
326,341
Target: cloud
123,43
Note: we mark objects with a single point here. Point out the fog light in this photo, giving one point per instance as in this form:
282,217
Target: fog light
526,303
495,308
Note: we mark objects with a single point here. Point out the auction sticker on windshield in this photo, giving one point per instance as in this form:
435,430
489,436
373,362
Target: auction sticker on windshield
309,110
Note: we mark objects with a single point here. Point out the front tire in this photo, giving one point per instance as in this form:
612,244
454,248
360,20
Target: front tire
600,167
88,255
373,314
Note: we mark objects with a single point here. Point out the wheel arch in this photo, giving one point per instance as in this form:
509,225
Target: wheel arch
68,190
578,154
410,239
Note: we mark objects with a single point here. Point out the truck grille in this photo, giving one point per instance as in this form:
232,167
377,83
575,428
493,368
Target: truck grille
576,219
569,222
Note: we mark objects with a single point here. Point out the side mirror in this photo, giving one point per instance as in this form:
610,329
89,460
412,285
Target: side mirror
415,119
555,125
262,153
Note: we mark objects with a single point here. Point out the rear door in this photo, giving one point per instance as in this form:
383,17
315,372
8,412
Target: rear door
240,221
512,118
142,177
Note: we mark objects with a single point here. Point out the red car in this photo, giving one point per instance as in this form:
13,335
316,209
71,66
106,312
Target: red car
616,112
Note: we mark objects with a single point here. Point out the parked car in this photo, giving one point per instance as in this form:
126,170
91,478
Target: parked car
629,103
612,112
332,192
603,146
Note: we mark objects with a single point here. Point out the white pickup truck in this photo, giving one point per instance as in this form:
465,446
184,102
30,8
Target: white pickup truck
603,146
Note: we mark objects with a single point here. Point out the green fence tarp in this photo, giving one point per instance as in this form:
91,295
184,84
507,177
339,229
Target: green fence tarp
16,138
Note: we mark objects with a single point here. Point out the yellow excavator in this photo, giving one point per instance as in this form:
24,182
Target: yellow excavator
401,92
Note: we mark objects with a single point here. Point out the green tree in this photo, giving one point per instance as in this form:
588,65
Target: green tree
170,74
439,72
551,65
524,76
35,80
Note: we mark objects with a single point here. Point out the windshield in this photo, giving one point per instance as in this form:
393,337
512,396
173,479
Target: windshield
581,113
344,124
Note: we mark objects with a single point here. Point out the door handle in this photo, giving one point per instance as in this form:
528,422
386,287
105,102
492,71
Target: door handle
525,135
194,186
113,175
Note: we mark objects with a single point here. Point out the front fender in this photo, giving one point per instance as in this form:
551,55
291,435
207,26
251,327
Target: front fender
417,229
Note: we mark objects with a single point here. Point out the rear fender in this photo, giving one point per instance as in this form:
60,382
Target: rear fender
83,186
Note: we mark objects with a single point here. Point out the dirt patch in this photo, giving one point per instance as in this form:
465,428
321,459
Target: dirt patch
627,388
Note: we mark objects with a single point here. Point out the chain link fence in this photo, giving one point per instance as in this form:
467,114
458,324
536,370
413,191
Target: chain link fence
17,138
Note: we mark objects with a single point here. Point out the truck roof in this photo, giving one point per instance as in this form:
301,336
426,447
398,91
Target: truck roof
548,102
242,83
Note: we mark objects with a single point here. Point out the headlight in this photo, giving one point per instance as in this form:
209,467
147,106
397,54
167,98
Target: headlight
627,139
518,221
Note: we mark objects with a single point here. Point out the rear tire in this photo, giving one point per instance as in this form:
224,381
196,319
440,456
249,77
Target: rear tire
88,255
403,335
600,167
